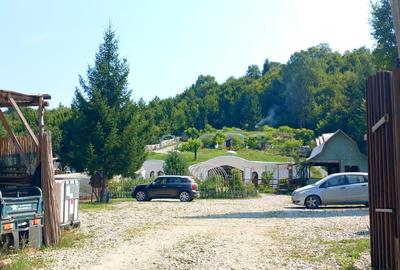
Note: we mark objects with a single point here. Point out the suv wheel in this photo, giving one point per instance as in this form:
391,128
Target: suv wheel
184,196
312,202
141,196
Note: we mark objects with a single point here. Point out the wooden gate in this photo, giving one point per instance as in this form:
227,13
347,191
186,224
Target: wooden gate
383,136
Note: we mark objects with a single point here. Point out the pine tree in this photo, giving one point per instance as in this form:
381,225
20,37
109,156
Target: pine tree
103,137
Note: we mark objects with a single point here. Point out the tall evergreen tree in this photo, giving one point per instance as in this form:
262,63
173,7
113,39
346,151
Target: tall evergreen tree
383,32
104,135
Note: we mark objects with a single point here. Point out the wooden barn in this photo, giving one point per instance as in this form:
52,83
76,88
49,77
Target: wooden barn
337,152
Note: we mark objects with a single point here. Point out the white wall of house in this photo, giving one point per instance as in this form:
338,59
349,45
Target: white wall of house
280,170
153,168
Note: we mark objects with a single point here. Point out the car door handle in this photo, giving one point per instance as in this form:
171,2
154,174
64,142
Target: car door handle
363,185
179,186
343,188
163,186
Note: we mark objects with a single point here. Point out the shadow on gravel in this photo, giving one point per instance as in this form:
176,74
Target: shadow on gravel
298,213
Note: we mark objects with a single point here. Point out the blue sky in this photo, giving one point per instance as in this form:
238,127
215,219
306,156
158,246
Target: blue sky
46,44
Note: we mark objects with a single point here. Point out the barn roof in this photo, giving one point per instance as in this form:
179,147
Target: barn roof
324,139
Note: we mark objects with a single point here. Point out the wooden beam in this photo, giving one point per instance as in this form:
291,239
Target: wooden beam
24,158
384,119
24,122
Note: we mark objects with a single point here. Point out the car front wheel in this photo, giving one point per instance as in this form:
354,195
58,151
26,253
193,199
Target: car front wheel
141,196
184,196
312,202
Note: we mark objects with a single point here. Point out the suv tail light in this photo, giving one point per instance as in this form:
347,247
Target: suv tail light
194,186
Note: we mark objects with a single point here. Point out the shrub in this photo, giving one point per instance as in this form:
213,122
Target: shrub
208,142
214,182
184,147
219,139
175,164
237,142
236,182
266,178
249,189
266,189
253,142
123,188
192,133
304,135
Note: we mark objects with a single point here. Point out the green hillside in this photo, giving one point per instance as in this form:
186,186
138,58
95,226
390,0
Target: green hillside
206,154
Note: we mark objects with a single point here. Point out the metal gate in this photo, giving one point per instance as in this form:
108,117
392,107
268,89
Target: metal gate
383,128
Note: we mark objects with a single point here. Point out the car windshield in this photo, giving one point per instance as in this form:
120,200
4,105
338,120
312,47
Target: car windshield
319,182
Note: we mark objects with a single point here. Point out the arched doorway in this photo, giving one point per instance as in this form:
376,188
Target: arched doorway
254,178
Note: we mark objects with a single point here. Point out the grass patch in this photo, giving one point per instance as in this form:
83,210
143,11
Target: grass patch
70,238
347,252
24,259
96,206
93,206
206,154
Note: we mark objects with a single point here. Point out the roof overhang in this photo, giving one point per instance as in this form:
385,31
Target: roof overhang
23,100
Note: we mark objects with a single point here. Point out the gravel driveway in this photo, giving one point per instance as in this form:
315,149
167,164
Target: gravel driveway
262,233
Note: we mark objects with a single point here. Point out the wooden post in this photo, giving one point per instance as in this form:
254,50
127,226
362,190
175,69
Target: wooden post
51,230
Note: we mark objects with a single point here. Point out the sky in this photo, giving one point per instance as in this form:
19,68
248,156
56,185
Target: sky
45,44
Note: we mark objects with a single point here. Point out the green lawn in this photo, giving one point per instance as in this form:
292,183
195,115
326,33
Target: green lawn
206,154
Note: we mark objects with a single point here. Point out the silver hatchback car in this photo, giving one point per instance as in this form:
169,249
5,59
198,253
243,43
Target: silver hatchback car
338,188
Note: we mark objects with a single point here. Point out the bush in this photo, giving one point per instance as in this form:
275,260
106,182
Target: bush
237,142
214,182
219,139
216,187
304,135
175,164
184,147
208,142
253,142
266,178
266,189
123,188
236,182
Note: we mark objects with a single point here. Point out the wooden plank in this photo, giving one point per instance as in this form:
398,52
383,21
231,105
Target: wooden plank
396,162
24,122
51,229
384,119
20,151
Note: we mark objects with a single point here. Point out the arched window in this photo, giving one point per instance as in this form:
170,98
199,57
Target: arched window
151,174
254,178
160,173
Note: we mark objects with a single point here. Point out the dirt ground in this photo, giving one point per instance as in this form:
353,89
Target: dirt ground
263,233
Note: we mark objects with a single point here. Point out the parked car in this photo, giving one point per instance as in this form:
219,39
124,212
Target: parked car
167,186
338,188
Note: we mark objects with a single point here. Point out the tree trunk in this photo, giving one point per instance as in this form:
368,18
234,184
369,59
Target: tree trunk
51,228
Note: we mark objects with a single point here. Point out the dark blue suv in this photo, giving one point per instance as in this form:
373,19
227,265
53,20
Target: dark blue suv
167,186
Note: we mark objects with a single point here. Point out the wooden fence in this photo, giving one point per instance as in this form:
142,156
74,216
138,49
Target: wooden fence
383,128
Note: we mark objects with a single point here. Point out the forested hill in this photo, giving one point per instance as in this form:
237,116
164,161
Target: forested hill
317,88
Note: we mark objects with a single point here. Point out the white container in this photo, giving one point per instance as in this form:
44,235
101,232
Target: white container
68,198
